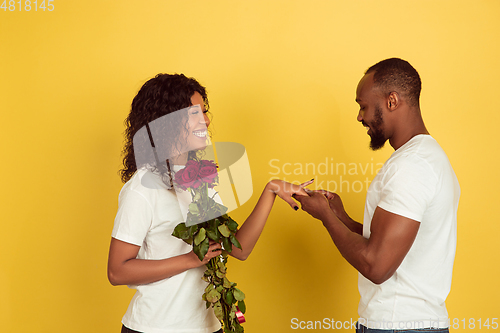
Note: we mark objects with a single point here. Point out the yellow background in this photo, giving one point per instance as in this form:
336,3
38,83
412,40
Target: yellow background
281,77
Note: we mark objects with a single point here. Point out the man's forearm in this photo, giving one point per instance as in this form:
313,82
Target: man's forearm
351,224
350,243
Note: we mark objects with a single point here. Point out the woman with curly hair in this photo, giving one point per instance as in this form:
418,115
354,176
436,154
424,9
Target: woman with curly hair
143,254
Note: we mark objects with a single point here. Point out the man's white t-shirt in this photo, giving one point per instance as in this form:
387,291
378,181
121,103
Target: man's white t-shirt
146,217
416,182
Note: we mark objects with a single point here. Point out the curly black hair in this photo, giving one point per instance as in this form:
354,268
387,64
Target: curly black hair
159,96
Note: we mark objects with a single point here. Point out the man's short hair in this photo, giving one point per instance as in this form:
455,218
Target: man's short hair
397,75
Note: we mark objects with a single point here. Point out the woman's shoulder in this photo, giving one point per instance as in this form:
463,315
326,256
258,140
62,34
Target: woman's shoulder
145,182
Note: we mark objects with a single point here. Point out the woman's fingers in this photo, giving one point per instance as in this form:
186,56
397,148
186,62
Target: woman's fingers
214,250
309,182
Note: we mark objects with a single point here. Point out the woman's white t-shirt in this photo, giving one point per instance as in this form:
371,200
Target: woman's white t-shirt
146,217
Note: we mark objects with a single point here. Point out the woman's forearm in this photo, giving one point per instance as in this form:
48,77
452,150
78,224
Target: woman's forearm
250,231
125,268
141,271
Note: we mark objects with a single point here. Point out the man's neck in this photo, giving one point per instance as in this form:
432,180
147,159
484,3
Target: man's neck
404,134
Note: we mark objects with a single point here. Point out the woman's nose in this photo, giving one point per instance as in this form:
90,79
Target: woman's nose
206,119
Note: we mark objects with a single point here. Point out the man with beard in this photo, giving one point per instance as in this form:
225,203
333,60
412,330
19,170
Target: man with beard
405,248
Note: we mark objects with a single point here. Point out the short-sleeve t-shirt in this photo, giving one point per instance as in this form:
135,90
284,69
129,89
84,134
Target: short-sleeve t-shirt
416,182
146,217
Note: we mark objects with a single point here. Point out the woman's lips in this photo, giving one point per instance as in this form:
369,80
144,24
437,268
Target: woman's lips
200,134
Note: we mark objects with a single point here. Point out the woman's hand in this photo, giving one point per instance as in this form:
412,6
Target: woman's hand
214,250
286,190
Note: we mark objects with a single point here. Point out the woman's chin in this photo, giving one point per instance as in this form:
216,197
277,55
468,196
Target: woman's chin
198,147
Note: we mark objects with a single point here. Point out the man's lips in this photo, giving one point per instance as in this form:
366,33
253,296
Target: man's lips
365,125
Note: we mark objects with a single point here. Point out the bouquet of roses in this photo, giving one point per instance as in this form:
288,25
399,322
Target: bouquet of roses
207,220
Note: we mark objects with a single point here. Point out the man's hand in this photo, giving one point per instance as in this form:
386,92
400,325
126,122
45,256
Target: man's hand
335,203
316,204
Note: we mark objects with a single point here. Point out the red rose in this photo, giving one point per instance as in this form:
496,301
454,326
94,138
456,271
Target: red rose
208,171
192,162
207,163
197,183
186,177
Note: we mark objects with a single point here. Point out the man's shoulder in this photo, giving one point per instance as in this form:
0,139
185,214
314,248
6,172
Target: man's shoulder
421,157
420,148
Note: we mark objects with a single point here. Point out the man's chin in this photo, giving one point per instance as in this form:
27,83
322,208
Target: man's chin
377,144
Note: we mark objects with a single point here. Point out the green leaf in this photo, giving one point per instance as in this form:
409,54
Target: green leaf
221,266
220,274
226,283
228,297
238,328
221,208
232,225
213,296
238,294
232,314
181,231
201,249
242,306
193,229
213,234
235,241
227,244
193,209
209,288
224,230
200,237
188,240
218,311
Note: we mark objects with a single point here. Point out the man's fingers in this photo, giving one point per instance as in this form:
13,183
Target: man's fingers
327,194
299,198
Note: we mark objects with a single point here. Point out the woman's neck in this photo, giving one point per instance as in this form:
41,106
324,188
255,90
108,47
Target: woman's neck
179,159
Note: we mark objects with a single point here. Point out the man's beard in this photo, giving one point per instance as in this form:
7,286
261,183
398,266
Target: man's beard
377,136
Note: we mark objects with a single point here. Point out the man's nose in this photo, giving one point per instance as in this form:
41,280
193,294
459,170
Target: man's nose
360,116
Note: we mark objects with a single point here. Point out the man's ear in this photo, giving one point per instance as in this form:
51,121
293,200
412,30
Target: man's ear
393,101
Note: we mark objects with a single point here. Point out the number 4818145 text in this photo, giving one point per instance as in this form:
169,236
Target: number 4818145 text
27,5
